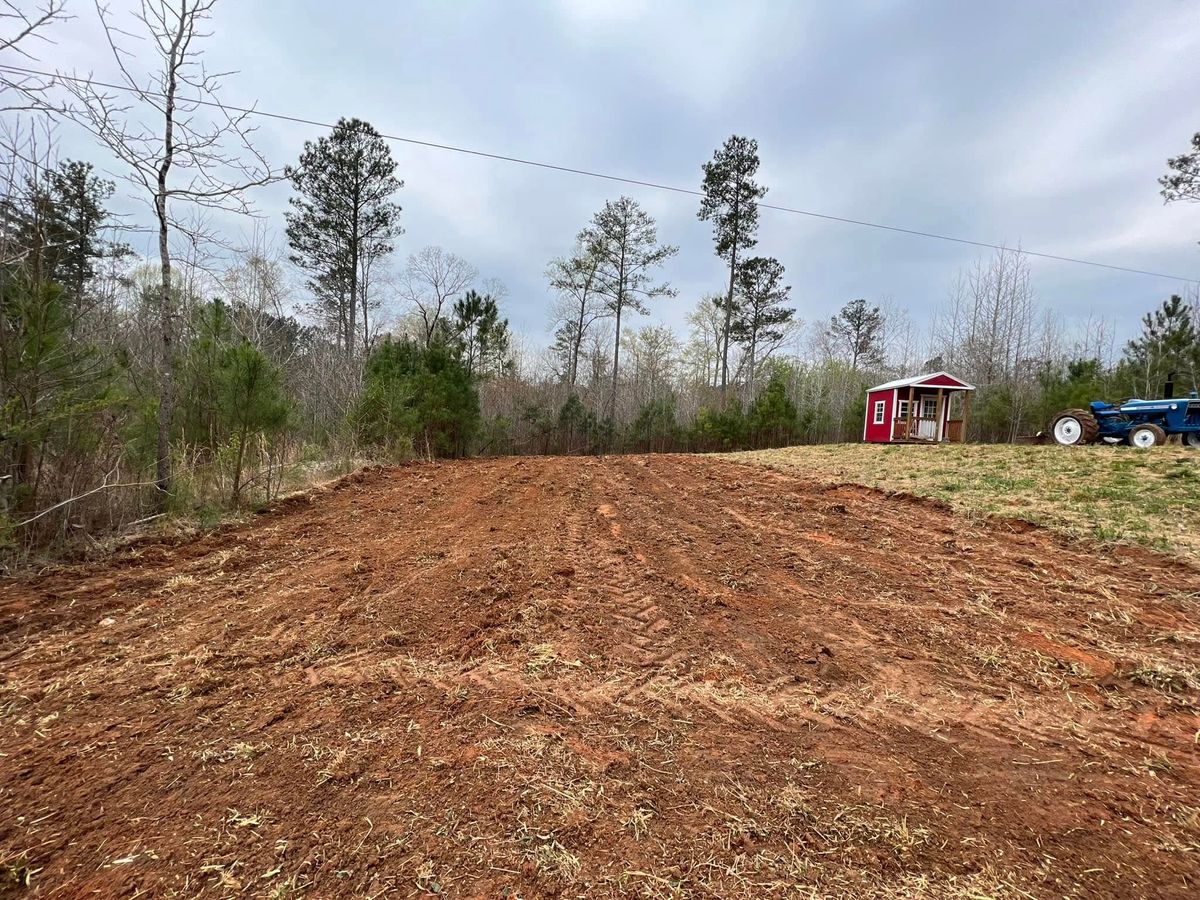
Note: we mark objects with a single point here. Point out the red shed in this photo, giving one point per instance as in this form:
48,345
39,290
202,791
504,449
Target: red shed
916,409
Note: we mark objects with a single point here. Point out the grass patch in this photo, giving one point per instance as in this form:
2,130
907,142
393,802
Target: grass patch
555,862
1166,678
1112,494
15,871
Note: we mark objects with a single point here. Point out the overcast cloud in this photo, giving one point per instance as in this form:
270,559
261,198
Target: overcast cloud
1044,124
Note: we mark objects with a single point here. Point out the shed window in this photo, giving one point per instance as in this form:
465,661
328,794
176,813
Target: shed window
879,411
902,410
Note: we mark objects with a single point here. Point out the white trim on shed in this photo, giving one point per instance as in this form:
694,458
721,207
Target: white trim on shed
920,380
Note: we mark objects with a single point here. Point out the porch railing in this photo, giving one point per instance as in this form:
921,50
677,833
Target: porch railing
918,429
925,429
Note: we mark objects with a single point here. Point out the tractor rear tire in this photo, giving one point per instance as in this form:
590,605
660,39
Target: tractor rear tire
1144,437
1074,427
1192,439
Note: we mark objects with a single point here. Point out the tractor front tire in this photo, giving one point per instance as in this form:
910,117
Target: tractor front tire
1144,437
1192,439
1074,427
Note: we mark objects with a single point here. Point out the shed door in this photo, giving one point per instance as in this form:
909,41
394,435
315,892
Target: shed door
927,428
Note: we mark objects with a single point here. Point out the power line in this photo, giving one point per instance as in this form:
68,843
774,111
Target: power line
604,176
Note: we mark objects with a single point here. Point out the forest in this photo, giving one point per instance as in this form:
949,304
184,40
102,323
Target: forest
213,376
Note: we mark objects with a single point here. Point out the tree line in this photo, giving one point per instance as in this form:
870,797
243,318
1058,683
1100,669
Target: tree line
205,378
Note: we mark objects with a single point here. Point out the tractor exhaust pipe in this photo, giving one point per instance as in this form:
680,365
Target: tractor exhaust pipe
1169,387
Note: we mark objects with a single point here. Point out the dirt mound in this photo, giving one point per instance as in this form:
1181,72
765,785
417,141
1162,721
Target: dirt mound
659,677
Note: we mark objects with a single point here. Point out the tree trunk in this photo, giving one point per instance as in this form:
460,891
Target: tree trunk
578,342
612,400
753,350
27,491
621,283
353,306
78,280
166,387
237,467
364,290
728,322
729,297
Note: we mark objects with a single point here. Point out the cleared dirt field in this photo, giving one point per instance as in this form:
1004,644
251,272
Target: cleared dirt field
660,676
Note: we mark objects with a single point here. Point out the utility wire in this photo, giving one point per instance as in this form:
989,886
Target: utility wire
604,176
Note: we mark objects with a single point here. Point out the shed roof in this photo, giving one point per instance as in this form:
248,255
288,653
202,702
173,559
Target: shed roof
930,379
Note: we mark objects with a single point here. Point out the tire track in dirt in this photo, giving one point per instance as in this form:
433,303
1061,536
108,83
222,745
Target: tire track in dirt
919,689
645,639
768,695
667,665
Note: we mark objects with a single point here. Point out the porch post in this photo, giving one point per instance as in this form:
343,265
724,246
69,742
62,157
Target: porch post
908,423
941,415
962,439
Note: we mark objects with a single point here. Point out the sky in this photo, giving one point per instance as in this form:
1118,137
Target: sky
1044,125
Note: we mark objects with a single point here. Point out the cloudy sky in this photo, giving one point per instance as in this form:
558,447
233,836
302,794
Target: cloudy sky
1043,124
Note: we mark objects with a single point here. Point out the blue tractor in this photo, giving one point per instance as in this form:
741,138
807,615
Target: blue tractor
1139,423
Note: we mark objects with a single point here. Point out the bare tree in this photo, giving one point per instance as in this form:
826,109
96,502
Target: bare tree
1096,340
429,282
650,365
175,123
1001,316
948,329
580,305
374,275
985,333
255,284
702,354
899,339
19,30
20,24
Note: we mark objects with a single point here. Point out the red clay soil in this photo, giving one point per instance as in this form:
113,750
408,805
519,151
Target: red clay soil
665,677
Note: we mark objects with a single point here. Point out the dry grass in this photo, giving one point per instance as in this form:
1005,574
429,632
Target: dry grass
1111,494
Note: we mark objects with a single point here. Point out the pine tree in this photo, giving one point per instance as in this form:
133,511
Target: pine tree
199,416
480,335
1183,182
250,397
416,398
773,418
51,387
1169,344
625,240
761,316
858,329
655,424
60,227
731,202
343,218
77,218
576,424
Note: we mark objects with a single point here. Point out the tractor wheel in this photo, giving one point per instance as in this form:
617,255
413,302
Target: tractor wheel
1143,437
1073,427
1192,439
